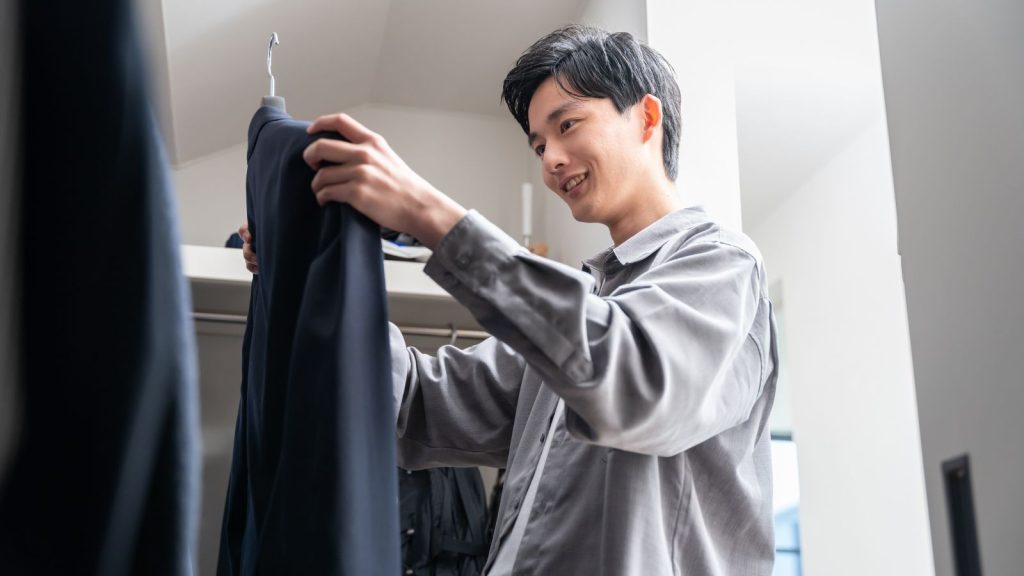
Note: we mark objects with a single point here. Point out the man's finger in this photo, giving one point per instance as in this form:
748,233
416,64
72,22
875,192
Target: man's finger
342,124
339,174
334,193
327,150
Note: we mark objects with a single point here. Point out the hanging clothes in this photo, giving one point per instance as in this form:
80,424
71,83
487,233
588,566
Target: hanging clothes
313,487
105,470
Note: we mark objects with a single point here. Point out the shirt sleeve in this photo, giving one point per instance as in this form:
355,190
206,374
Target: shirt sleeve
661,364
456,408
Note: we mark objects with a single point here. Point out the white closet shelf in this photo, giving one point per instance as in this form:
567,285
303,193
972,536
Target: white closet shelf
220,289
212,264
225,265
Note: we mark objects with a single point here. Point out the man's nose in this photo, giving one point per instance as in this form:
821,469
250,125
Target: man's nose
554,157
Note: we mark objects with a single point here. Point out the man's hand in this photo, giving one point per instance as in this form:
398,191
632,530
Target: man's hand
369,176
247,251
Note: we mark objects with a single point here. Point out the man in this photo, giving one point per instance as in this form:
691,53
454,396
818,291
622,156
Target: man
629,403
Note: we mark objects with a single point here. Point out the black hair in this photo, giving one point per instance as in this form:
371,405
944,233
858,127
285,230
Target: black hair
588,62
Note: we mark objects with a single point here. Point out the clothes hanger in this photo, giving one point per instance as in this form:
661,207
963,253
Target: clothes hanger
272,100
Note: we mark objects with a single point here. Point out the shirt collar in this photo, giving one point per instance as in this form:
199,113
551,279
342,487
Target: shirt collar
647,241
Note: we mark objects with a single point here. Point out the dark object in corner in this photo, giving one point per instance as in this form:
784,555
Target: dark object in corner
234,241
956,475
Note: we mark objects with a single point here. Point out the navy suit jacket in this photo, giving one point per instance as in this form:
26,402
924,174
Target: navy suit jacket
313,486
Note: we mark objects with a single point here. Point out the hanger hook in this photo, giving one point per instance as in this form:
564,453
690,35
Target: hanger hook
454,334
270,49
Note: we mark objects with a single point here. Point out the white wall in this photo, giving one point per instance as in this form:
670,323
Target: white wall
211,196
697,38
475,159
831,246
478,160
617,16
954,88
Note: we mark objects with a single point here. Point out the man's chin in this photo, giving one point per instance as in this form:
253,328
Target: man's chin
582,213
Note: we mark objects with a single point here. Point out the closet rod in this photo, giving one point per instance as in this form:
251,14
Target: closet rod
407,330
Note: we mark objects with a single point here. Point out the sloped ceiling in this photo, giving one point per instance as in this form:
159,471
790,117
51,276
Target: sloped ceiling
454,54
334,54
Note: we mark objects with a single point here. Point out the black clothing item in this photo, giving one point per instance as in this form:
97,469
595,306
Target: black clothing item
495,504
313,487
234,241
105,472
443,521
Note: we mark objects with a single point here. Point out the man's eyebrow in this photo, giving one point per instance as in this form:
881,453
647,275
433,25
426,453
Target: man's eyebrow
555,115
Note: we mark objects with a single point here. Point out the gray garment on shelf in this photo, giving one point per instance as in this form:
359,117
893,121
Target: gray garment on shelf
665,356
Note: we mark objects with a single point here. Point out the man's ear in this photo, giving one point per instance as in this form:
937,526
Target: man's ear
650,107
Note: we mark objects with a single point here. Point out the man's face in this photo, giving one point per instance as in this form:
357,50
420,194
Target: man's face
586,148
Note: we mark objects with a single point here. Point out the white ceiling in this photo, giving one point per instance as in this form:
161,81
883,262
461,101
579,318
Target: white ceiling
334,54
807,74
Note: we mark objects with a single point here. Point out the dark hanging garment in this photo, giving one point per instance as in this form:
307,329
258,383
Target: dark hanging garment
105,469
443,522
313,486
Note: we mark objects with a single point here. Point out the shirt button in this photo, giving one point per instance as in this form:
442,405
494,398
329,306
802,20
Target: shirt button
409,571
462,260
410,531
542,437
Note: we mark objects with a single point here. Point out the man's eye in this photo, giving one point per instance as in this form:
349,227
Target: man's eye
567,124
539,150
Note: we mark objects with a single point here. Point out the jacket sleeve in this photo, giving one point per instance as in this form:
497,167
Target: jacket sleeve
661,364
456,408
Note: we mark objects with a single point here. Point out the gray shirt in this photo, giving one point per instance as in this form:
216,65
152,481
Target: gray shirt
665,357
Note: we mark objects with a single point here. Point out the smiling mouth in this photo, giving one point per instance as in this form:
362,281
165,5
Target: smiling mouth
573,183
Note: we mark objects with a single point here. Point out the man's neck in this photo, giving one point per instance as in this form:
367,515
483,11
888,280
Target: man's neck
651,207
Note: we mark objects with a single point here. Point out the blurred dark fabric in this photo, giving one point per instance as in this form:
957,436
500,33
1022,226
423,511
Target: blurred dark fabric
104,478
